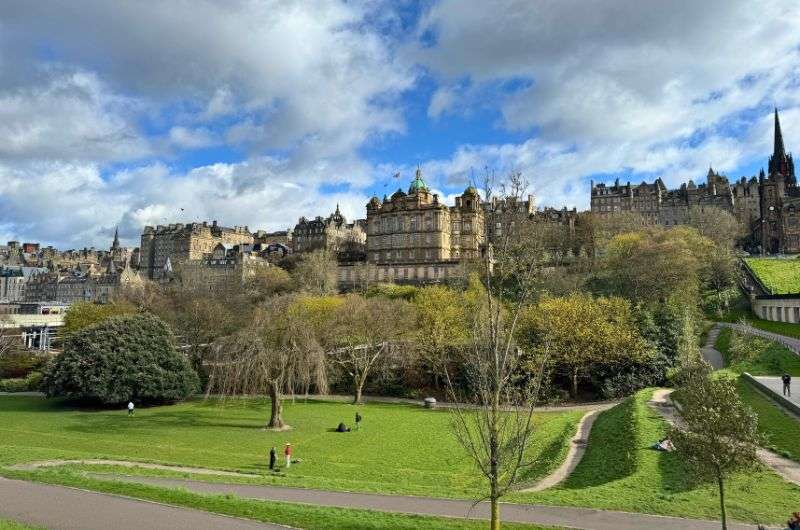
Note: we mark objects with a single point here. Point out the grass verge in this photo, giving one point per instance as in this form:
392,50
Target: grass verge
776,359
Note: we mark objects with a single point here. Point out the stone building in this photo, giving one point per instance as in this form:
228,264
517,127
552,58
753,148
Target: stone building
13,282
333,233
225,269
165,247
767,206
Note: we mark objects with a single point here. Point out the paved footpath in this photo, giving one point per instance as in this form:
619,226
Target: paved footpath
60,508
710,353
561,516
776,385
790,342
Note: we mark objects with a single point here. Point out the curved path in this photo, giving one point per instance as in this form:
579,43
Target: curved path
576,450
790,342
61,508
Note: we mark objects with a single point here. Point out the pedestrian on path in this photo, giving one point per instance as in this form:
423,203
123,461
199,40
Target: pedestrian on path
130,408
288,453
273,456
358,420
787,385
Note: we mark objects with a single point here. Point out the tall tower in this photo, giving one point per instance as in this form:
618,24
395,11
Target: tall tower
115,244
780,162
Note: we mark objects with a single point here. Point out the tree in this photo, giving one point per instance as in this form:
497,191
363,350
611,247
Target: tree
127,357
716,224
580,332
268,281
493,417
272,355
722,277
441,325
363,331
744,346
84,314
717,434
316,272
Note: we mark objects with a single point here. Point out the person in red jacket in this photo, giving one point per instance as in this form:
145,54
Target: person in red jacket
288,453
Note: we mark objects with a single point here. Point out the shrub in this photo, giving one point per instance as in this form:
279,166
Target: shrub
128,357
19,364
15,384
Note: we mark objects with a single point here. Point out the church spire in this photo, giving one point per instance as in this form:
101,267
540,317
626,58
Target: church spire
779,150
115,244
780,162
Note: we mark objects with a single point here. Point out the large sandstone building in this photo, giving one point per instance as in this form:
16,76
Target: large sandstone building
767,205
333,233
165,247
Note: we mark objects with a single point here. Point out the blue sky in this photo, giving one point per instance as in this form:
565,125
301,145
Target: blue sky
257,112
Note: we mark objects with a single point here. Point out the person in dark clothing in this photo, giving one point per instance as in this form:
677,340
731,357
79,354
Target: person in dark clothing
787,384
342,428
273,455
358,420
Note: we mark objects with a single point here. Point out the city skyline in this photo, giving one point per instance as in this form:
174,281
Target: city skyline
258,113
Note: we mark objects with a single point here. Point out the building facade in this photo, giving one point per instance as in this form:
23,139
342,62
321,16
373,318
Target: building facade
332,233
225,269
165,247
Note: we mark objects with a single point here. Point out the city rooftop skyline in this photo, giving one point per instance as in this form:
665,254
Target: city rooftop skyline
257,113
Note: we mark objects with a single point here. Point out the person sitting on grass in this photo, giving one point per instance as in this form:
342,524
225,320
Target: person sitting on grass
342,428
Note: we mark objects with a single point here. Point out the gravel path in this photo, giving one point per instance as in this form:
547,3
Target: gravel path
576,450
60,508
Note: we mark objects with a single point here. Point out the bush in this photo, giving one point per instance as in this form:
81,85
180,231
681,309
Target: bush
13,385
18,364
128,357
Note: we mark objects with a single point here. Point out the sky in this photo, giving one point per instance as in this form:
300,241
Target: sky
133,113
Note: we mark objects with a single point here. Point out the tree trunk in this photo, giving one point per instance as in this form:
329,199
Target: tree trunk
359,387
574,383
495,520
722,502
276,419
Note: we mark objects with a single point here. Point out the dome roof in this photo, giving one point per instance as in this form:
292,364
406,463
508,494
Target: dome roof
417,184
471,190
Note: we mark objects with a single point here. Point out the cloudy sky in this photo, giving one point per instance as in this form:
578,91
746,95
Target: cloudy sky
256,112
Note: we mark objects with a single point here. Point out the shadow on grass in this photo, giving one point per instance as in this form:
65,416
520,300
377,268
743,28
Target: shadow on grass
544,460
612,453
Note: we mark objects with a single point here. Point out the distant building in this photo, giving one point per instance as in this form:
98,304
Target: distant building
168,246
225,269
13,282
332,233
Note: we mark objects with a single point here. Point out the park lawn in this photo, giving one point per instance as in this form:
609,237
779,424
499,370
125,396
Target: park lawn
779,276
5,524
400,449
619,471
304,516
775,360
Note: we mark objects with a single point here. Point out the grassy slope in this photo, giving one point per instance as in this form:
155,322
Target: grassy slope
741,310
781,429
775,360
13,525
400,449
295,515
780,276
620,472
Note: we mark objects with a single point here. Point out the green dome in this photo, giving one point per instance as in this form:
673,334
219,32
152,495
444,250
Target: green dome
417,184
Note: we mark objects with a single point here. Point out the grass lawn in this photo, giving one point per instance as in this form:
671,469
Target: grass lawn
779,276
13,525
775,360
295,515
620,472
400,448
741,310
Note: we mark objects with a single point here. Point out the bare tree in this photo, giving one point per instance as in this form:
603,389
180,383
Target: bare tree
275,354
495,422
364,330
8,342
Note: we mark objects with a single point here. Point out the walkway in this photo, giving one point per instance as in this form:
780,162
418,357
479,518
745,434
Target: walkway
710,353
560,516
576,450
791,343
60,508
776,385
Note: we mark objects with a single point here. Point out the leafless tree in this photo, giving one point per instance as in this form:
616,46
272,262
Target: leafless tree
8,342
364,330
495,422
275,354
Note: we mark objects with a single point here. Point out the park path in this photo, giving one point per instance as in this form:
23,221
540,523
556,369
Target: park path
774,384
576,451
790,342
560,516
712,355
61,508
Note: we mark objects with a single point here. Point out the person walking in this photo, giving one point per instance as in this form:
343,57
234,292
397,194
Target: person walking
358,420
130,408
273,456
288,453
787,385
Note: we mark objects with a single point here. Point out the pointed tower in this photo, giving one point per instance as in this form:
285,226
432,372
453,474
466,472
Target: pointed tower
115,244
781,162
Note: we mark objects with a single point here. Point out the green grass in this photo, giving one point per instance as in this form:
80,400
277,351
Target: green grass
620,472
400,448
779,276
13,525
740,310
295,515
781,429
775,360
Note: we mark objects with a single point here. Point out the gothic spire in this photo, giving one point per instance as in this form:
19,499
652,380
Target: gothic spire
115,244
779,151
780,162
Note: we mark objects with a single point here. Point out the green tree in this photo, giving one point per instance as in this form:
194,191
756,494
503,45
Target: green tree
84,314
580,332
128,357
717,434
316,273
441,325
